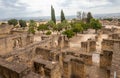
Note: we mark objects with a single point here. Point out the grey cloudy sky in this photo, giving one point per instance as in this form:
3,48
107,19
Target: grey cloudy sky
34,8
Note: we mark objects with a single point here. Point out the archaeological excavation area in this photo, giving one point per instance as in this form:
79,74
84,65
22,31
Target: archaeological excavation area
87,55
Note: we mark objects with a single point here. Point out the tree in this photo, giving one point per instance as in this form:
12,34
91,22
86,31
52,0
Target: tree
13,22
65,25
68,33
59,27
85,26
95,24
77,28
42,27
32,27
83,17
51,24
108,19
62,16
53,15
89,17
79,15
22,23
48,32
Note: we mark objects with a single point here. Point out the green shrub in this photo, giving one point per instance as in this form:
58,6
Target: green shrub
48,33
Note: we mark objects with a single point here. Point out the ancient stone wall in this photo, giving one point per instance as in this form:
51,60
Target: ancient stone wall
7,44
67,69
5,29
27,54
47,68
88,46
115,36
106,59
87,58
106,31
12,70
78,70
73,67
45,53
92,46
13,42
56,72
115,68
32,75
63,42
107,44
84,46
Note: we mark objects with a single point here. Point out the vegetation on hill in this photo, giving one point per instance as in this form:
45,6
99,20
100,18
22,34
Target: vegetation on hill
95,24
48,32
51,25
108,19
22,23
32,27
42,27
77,28
68,33
13,22
83,22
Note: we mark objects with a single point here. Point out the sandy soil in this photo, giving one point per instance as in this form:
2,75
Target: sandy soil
76,40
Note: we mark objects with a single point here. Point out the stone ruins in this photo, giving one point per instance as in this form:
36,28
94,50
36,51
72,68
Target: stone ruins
22,56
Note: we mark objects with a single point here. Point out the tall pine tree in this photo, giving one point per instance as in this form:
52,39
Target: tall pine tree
53,15
62,16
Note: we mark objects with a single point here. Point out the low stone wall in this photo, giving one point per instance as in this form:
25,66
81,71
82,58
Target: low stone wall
78,70
115,67
13,42
67,69
32,75
45,53
114,36
73,67
5,29
25,55
106,59
88,46
87,58
12,70
107,44
47,69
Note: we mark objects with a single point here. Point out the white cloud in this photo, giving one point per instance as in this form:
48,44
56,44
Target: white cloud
42,7
68,5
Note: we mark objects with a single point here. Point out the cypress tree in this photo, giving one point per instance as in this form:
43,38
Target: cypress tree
62,16
53,15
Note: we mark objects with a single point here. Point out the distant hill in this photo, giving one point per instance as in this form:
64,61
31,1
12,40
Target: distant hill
41,18
110,15
45,18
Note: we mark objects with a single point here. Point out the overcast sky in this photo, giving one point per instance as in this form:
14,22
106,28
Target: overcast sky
35,8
